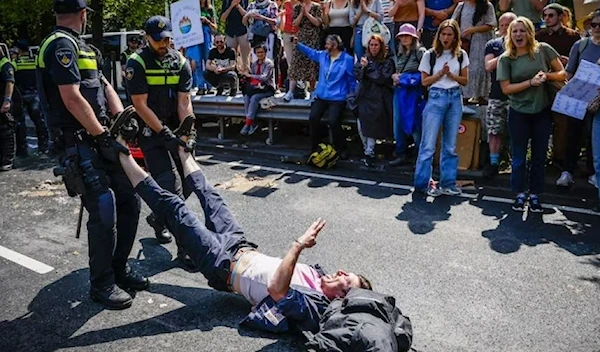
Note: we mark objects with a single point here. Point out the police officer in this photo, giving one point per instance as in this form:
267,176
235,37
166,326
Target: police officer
159,80
7,123
132,47
77,96
25,81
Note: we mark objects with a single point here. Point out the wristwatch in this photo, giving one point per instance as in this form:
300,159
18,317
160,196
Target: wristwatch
8,99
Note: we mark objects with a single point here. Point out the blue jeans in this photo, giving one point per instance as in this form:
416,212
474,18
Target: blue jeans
596,147
523,128
252,103
211,246
443,109
204,49
359,49
399,134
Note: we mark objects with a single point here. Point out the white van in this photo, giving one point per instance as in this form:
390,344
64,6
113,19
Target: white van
114,44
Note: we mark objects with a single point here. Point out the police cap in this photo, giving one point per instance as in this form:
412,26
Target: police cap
158,27
22,44
70,6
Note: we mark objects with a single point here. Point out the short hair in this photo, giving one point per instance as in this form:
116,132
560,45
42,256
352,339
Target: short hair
260,46
337,39
364,282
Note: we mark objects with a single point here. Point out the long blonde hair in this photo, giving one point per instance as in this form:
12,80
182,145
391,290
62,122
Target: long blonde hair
438,47
532,44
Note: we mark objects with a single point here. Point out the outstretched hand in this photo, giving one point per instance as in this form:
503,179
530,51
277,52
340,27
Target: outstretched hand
309,239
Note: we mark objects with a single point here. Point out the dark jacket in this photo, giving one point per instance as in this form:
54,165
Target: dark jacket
363,321
375,98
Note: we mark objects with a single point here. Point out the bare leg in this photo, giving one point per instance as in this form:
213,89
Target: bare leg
189,163
134,172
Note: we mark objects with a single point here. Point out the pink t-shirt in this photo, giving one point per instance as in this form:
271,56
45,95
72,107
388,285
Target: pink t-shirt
255,279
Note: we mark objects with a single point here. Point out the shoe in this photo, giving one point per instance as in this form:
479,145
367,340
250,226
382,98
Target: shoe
369,160
185,127
185,260
519,204
534,204
120,119
130,280
111,296
399,161
596,209
6,167
244,130
490,171
344,155
451,191
233,92
163,236
433,190
592,180
219,90
565,179
24,153
252,129
288,96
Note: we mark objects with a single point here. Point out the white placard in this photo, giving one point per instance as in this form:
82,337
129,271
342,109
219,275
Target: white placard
573,99
187,27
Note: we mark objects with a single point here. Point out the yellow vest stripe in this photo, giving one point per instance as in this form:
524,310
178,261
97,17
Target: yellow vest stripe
86,60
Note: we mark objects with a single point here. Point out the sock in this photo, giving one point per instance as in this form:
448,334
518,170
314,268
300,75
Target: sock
249,122
494,158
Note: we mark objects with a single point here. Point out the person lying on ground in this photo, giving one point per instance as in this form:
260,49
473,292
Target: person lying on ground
285,294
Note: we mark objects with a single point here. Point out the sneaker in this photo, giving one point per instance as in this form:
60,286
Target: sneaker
233,92
120,119
399,161
6,167
186,126
219,90
369,160
534,204
252,129
288,96
593,181
490,171
565,179
519,204
111,296
433,190
244,130
451,191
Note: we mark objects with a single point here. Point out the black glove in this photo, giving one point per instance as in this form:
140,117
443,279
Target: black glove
109,148
170,139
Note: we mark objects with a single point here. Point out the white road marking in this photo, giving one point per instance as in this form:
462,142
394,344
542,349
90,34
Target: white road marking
25,261
383,184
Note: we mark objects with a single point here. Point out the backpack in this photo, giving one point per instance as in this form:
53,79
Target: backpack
324,157
583,43
259,27
433,58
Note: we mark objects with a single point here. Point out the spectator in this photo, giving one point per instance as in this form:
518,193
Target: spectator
199,53
497,108
260,84
585,49
532,9
359,12
561,38
308,18
408,92
232,12
408,11
449,71
477,21
336,18
289,31
374,72
388,21
436,12
220,67
336,81
522,77
261,19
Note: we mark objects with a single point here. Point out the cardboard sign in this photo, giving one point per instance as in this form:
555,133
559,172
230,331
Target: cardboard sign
573,99
187,27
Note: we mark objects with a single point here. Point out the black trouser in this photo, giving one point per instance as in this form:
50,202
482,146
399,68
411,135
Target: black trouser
217,80
577,132
114,210
30,103
334,119
7,139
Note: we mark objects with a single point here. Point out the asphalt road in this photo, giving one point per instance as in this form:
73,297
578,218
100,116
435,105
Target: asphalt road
471,274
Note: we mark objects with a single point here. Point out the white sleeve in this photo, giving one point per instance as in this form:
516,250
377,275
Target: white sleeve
424,64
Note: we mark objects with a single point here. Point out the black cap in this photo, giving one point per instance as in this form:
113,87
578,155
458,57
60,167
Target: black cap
158,27
69,6
22,44
133,39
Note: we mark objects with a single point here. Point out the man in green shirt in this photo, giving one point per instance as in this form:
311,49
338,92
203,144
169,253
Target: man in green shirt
531,9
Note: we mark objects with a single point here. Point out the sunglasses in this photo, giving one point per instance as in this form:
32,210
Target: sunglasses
594,24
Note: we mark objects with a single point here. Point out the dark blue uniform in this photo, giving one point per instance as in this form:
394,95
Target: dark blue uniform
111,202
7,123
25,80
162,80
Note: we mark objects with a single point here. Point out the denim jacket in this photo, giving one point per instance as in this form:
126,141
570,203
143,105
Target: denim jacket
335,81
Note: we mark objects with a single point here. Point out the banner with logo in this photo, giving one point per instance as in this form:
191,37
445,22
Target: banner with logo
185,19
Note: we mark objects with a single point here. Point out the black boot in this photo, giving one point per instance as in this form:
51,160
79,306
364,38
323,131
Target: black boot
130,280
162,234
111,296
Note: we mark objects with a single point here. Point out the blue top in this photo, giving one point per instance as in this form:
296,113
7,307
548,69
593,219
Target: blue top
435,5
336,79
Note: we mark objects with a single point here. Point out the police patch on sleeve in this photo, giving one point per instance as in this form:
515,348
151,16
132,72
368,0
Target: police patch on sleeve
129,73
65,57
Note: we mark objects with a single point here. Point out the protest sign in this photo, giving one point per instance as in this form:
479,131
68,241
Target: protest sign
187,27
573,99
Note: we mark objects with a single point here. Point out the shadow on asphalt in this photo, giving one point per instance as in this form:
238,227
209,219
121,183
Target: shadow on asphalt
421,215
595,262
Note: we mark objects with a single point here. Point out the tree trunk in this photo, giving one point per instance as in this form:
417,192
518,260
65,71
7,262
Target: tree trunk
97,24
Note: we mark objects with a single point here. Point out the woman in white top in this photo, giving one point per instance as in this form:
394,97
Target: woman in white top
443,109
360,10
337,20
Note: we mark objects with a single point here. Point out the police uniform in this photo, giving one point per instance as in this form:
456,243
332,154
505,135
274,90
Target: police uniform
162,80
7,123
25,81
113,206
